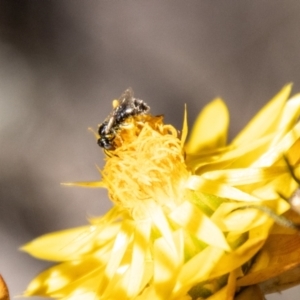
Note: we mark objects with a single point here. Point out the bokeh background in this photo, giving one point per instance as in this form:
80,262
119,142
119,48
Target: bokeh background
63,61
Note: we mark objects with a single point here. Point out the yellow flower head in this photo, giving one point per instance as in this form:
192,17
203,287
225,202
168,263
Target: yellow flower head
188,218
148,165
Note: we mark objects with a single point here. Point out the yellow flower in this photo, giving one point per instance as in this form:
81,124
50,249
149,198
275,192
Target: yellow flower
188,218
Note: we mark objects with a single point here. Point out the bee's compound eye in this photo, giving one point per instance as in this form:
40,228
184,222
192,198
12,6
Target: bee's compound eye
102,142
105,144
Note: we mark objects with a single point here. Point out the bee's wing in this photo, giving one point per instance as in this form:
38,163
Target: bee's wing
127,96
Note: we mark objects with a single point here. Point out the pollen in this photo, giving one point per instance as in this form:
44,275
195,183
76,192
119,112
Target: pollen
148,164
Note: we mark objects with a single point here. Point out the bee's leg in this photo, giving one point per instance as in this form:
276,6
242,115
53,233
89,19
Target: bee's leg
110,124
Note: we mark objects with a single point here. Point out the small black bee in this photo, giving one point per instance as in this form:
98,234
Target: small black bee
128,106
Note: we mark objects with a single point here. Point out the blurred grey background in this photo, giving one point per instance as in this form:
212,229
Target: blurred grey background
61,64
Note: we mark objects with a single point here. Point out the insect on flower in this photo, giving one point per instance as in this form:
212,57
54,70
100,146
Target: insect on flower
126,106
184,224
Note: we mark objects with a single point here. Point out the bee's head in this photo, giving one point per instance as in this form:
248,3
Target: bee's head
106,143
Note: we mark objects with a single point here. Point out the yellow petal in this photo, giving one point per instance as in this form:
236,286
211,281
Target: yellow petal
184,130
293,153
289,116
64,279
115,214
283,185
198,269
276,153
199,183
266,120
121,242
167,263
195,222
138,268
229,218
117,263
210,129
65,245
232,157
140,264
235,259
93,184
160,221
245,176
149,293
